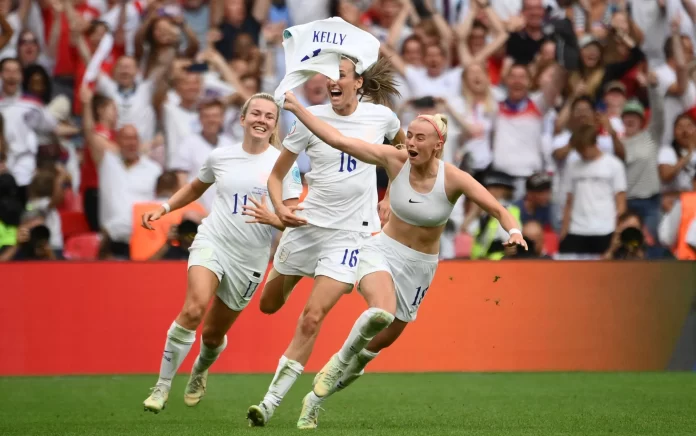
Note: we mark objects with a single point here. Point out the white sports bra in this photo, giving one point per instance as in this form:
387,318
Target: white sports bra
423,210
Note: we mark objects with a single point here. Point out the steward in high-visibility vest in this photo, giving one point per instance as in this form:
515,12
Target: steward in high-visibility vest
488,240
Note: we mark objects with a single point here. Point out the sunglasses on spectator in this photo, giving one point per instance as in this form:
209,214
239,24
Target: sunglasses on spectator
27,41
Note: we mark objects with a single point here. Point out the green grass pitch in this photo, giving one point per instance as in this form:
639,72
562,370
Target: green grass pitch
653,404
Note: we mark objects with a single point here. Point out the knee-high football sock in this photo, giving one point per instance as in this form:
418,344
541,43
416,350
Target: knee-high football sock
286,374
208,356
369,323
177,347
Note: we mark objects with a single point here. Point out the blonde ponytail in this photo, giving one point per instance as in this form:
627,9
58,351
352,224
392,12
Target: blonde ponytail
274,140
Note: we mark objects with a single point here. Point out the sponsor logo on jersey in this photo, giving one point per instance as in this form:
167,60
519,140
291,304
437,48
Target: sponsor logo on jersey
296,175
293,128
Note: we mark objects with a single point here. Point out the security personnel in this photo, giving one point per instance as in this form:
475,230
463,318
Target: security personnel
490,236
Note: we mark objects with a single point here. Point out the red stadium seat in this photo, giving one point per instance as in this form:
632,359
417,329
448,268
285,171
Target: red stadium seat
462,245
551,242
73,223
82,247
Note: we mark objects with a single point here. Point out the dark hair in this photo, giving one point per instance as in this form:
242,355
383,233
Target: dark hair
167,181
682,116
412,38
211,102
41,184
582,99
379,84
478,24
30,71
99,102
523,66
254,77
668,48
631,214
7,60
93,25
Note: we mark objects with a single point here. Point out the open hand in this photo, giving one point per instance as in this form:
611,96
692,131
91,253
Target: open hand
259,212
516,240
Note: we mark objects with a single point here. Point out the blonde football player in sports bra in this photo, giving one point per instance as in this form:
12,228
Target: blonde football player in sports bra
228,257
338,215
401,261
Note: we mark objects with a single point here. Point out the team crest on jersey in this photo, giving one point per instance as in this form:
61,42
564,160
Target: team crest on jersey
293,128
296,175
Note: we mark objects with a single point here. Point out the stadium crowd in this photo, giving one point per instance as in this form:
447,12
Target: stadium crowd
578,115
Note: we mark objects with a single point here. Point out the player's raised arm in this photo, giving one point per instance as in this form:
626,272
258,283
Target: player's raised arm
357,148
465,184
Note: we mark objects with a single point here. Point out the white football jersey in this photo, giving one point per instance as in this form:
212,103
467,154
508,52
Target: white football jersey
343,190
238,176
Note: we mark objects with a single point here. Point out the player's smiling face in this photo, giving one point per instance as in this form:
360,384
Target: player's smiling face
421,142
343,91
260,119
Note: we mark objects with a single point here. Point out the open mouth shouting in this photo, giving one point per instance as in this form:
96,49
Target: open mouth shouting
335,92
412,153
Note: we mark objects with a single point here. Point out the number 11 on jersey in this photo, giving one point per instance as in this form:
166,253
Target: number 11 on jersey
236,201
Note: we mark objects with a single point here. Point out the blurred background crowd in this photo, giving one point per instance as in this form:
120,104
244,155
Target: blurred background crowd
578,115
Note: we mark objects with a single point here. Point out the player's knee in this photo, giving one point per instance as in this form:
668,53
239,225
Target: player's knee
310,321
379,320
212,338
193,313
268,304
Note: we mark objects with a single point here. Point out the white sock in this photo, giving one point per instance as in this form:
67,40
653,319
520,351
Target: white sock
369,323
208,356
355,369
177,347
286,374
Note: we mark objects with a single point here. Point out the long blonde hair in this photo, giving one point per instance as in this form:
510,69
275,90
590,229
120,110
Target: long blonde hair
489,105
274,140
439,122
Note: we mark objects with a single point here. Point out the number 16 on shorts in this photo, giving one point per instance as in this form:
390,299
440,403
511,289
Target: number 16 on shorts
350,258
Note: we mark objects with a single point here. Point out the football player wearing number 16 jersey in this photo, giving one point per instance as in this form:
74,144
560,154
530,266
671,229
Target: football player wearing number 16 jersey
337,217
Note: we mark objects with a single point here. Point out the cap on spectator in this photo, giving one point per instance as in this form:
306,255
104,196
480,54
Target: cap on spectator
615,85
587,40
633,107
497,178
538,182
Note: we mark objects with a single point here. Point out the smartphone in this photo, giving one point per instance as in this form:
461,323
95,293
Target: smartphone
424,103
197,68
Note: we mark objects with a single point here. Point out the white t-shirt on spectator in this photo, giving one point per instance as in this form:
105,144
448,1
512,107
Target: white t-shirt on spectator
477,149
134,108
673,106
682,181
594,186
120,187
691,234
24,116
517,145
343,190
51,220
382,34
193,153
604,143
178,124
420,84
306,11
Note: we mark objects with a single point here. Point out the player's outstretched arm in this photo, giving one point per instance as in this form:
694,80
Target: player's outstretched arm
461,183
357,148
184,196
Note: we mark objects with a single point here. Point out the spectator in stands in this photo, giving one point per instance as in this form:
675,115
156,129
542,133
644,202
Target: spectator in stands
125,178
179,239
595,188
29,50
10,216
145,243
676,160
46,191
673,84
238,19
24,118
525,42
642,178
628,241
536,203
489,236
34,244
517,144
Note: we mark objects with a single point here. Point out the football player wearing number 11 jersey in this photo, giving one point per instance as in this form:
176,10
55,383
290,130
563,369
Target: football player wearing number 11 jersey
336,218
229,256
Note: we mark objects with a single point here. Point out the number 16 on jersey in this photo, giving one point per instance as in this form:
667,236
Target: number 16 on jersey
348,163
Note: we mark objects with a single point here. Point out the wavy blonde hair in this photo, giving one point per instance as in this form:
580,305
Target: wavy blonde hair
274,140
439,122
